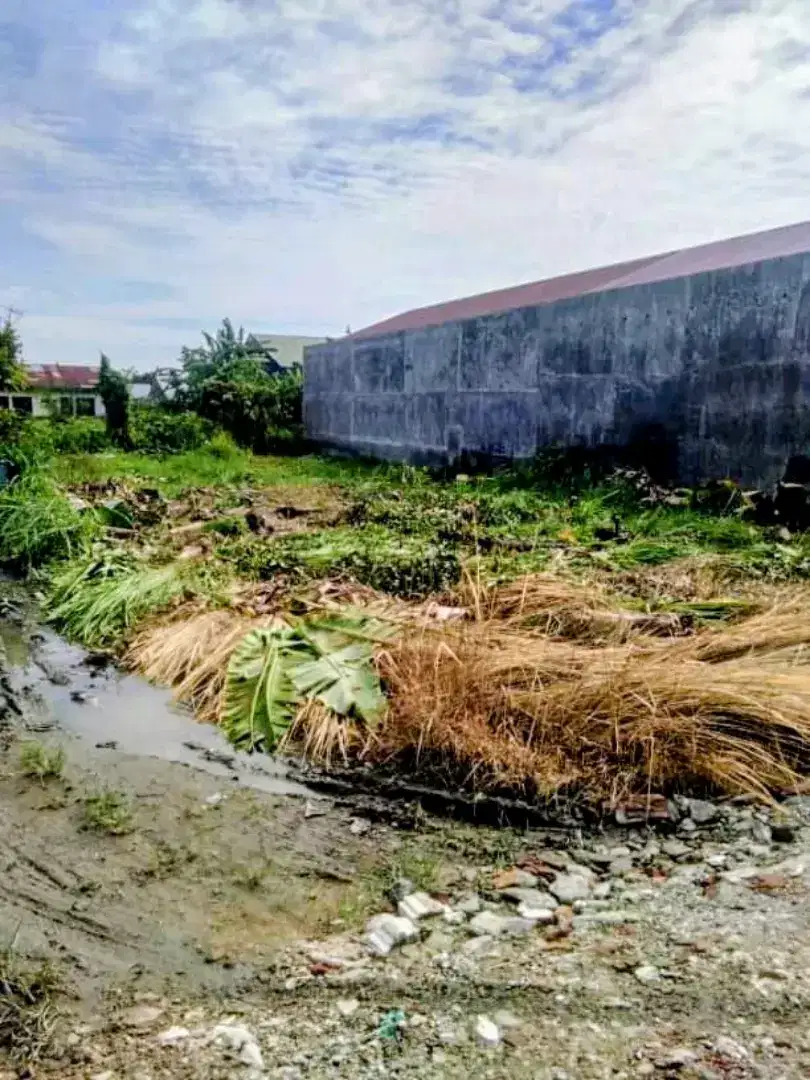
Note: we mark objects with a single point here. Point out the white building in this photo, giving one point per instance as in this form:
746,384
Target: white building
67,389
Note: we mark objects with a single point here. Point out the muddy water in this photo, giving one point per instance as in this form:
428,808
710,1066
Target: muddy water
106,706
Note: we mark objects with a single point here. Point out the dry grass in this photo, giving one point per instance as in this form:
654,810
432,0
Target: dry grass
546,717
191,655
535,694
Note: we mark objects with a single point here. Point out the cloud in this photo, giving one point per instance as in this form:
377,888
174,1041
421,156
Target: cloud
304,165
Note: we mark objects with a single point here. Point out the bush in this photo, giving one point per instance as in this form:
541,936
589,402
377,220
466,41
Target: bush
38,523
154,430
264,415
81,435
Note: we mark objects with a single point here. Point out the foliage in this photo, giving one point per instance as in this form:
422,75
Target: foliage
99,600
40,761
13,375
262,413
38,523
12,426
113,388
156,430
27,1013
225,356
408,566
274,669
108,812
77,435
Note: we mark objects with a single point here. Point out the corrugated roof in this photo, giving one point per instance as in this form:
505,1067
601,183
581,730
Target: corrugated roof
62,376
773,244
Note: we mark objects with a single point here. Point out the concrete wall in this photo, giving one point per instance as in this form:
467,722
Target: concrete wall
716,364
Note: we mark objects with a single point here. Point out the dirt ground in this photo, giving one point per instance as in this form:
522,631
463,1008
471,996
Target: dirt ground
207,930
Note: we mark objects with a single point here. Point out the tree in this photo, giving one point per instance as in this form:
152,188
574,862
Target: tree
113,388
13,375
226,356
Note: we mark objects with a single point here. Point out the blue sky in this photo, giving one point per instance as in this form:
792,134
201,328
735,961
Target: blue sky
301,165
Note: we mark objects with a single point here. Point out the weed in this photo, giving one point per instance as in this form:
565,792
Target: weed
27,1010
108,812
250,878
39,524
42,762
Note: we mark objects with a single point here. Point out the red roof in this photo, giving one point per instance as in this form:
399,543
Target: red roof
62,377
773,244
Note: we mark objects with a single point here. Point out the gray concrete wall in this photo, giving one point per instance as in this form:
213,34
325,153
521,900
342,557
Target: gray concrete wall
718,363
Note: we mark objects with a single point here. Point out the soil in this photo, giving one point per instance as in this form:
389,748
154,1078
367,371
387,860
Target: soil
219,934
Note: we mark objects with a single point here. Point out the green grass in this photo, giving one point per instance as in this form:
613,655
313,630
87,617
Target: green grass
42,762
108,812
39,524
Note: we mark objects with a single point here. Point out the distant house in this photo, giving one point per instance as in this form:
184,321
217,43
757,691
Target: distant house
283,351
66,389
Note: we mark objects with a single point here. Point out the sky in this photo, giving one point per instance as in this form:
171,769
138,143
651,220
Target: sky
304,165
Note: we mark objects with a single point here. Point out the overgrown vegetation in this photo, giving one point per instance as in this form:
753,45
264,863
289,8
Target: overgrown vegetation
113,388
108,812
27,1010
13,375
41,762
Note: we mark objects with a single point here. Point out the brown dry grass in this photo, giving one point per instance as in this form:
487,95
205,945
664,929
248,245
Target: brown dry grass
544,716
501,699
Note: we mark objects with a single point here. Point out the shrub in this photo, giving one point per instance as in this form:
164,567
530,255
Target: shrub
38,523
80,435
154,430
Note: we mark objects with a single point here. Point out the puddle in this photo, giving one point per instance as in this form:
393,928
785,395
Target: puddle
105,705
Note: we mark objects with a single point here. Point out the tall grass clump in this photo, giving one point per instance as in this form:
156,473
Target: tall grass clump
38,523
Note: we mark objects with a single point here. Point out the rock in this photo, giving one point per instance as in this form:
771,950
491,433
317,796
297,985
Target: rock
384,932
621,866
605,918
676,849
141,1016
517,925
782,832
647,974
359,826
570,887
454,918
533,897
479,946
469,905
555,859
761,833
701,811
401,888
251,1055
419,905
602,890
173,1035
506,1020
108,1075
347,1006
486,1032
487,923
514,878
687,827
232,1036
541,915
728,1048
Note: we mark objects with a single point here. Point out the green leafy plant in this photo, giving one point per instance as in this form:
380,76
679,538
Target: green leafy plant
157,430
276,669
13,375
109,812
41,762
113,388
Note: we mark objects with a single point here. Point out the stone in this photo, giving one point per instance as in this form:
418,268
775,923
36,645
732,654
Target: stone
602,890
761,833
385,932
676,849
513,878
729,1048
479,946
533,897
487,922
454,918
347,1007
232,1036
782,832
687,827
506,1020
701,811
647,974
517,925
621,866
141,1016
173,1035
401,888
419,905
605,918
555,859
544,916
251,1055
487,1033
469,905
570,887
